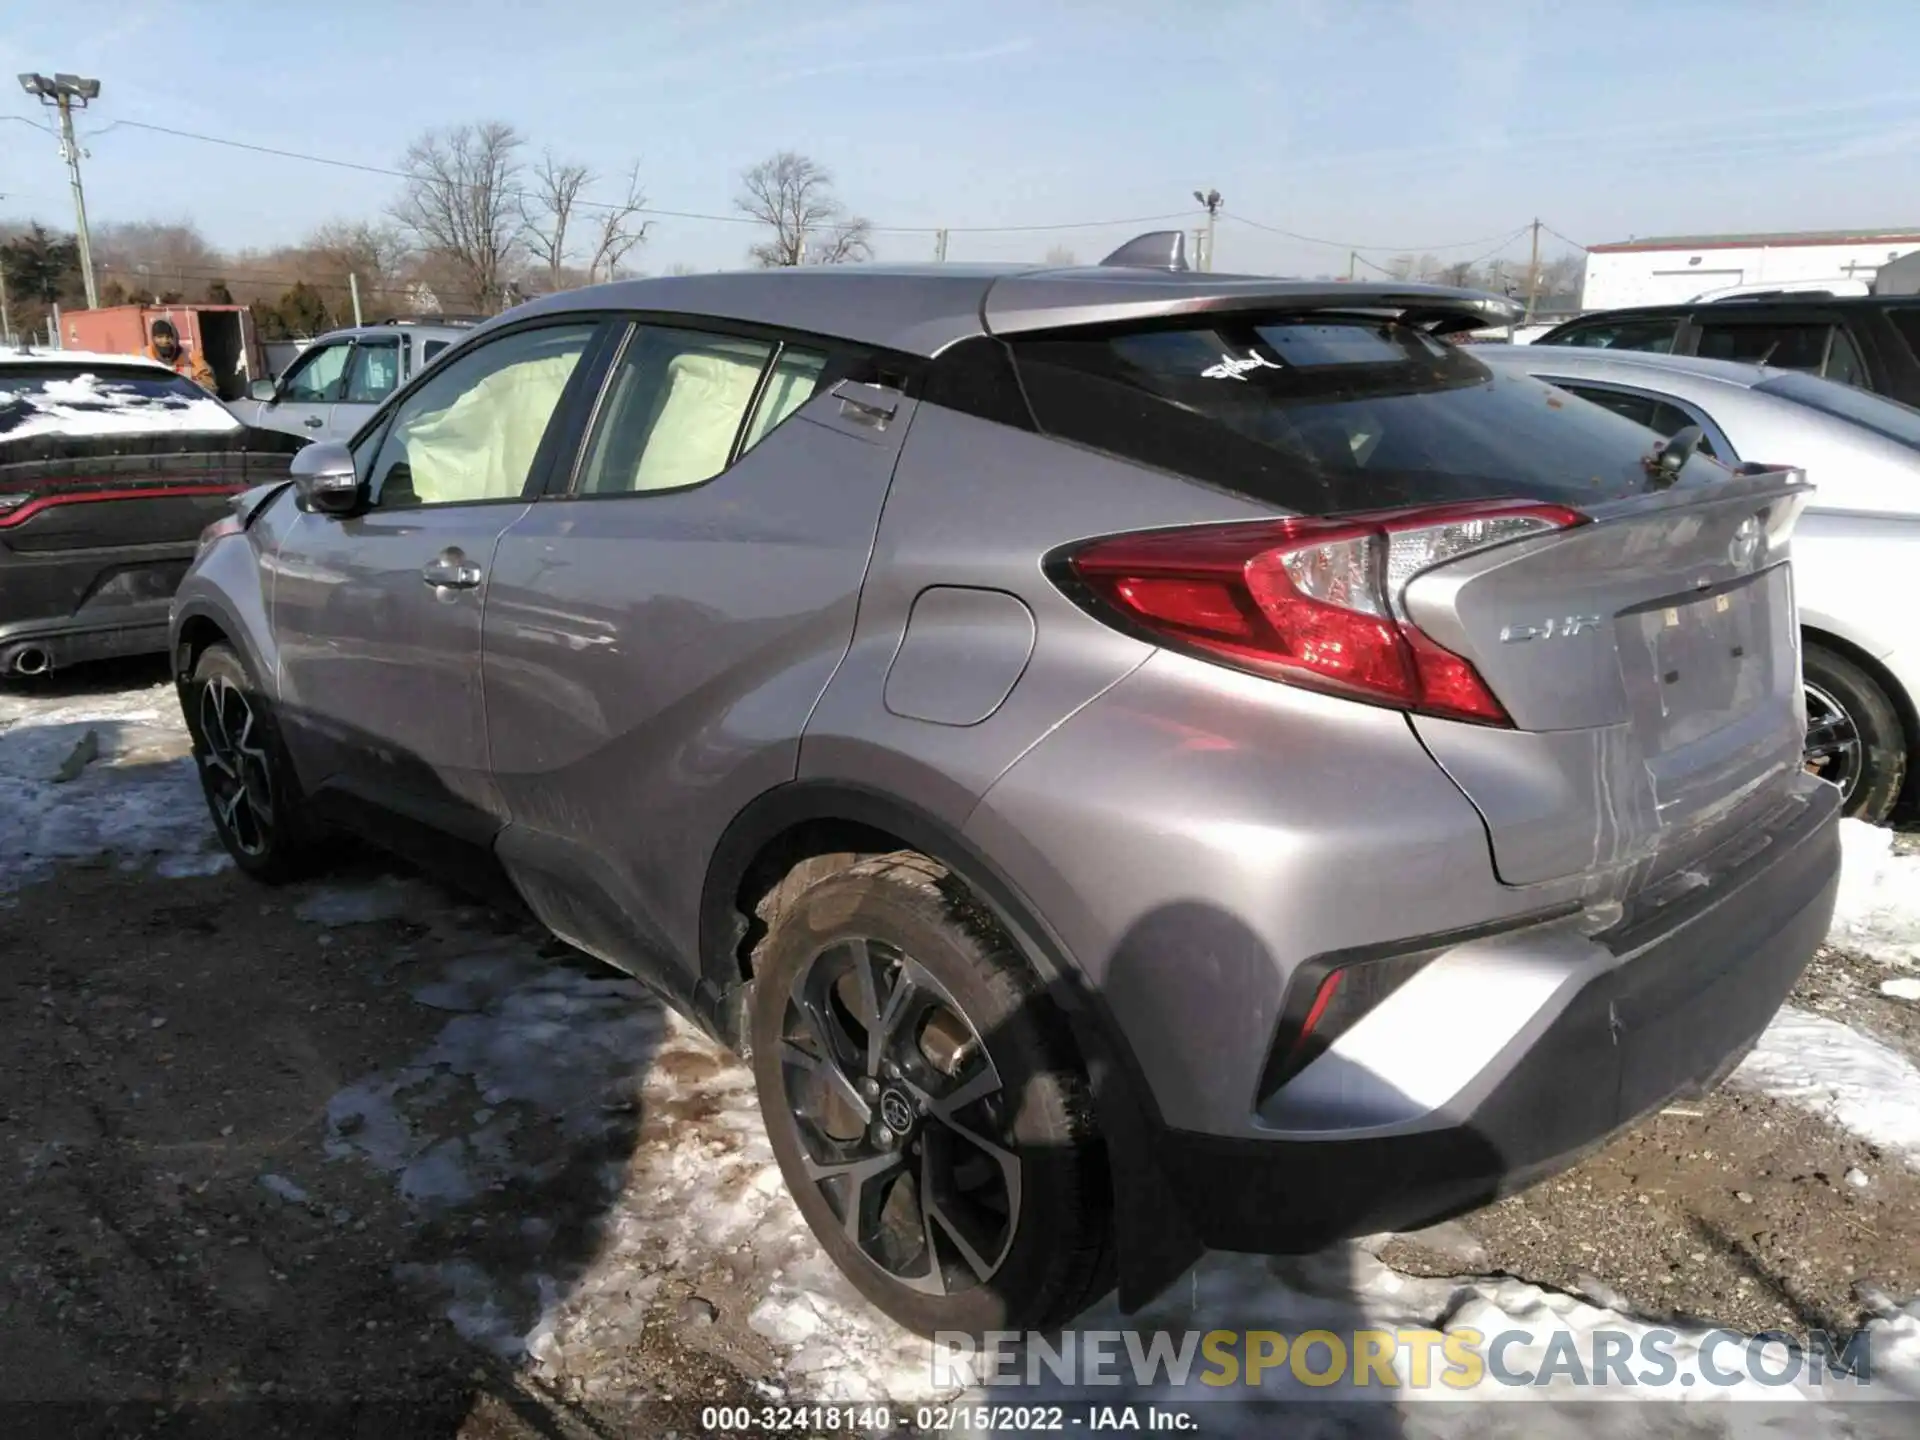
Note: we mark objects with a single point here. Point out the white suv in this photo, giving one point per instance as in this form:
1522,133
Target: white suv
328,393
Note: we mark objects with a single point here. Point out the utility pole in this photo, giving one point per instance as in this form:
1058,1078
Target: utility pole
353,284
1533,272
1353,259
940,246
6,320
1211,199
63,92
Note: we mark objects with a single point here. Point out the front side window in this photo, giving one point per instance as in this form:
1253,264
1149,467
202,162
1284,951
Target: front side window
374,372
315,377
472,431
1326,414
1785,345
1656,335
673,411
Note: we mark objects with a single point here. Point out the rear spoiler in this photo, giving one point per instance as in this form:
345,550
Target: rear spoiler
1147,279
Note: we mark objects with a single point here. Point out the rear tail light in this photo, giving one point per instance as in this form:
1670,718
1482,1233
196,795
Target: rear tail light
1313,601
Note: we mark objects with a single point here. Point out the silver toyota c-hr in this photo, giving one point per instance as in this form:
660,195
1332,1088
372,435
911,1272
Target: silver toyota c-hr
1140,760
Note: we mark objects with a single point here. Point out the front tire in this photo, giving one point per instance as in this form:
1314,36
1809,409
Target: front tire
926,1103
257,807
1854,735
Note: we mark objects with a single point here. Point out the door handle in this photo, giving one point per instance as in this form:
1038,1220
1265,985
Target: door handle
451,570
313,422
872,405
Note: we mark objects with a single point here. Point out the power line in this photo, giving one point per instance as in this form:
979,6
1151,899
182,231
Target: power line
1345,245
1558,236
393,174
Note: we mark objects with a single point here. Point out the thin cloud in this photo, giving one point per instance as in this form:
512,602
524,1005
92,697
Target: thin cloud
935,60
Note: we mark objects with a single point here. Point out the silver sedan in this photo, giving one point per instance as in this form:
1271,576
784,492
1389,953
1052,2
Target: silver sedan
1856,555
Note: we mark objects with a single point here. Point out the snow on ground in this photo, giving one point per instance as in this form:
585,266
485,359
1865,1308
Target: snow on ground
550,1073
1832,1069
99,775
531,1046
1836,1072
1878,909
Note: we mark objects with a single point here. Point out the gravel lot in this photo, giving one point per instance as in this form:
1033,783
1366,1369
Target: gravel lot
362,1141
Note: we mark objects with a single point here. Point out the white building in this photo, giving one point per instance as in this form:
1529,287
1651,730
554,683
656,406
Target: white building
1671,269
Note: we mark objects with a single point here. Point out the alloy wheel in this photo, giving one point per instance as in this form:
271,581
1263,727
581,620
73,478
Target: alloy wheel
238,775
1833,741
902,1115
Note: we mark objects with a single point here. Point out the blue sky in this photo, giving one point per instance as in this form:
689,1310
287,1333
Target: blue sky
1394,124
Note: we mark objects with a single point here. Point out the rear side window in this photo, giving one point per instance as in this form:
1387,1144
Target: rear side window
373,372
1785,345
1843,361
1907,322
1643,334
1648,410
1327,414
673,410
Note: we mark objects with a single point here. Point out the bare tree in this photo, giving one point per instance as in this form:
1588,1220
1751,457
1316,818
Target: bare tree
547,210
618,230
1061,257
460,204
794,196
154,258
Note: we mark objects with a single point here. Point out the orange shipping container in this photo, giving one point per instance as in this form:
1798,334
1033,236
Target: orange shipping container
223,334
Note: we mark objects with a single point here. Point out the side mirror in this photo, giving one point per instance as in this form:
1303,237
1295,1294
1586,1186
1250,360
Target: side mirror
262,390
325,480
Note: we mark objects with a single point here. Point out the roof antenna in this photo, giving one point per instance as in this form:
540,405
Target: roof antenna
1156,250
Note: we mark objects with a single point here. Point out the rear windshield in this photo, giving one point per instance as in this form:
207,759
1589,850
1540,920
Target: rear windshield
95,399
1326,414
1877,413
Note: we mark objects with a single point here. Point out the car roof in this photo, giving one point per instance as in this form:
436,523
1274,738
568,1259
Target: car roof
1743,305
80,357
386,329
922,309
1625,363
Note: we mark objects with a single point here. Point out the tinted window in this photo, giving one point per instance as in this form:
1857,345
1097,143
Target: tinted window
673,411
315,377
471,432
1785,345
1876,412
1907,322
374,372
1648,410
1380,415
431,349
1843,361
1642,334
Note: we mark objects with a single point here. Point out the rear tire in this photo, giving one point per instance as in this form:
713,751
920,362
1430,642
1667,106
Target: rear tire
1855,737
258,809
940,1101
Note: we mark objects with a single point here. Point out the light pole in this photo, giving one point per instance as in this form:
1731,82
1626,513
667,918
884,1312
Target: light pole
63,92
1211,199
